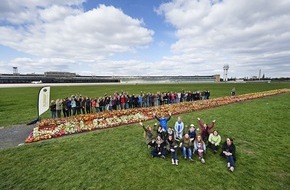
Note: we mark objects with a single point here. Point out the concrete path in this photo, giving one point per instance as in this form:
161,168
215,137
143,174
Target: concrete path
14,135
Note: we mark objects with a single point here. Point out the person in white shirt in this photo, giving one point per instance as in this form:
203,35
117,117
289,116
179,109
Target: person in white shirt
179,126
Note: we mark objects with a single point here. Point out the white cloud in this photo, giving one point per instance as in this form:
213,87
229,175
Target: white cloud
63,36
67,32
30,65
238,33
56,12
23,12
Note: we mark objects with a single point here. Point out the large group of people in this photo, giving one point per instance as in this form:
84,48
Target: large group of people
78,104
163,140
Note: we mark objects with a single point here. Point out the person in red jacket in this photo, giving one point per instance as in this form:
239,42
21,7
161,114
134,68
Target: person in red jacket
205,129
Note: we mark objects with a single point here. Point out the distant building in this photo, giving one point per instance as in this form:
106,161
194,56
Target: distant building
67,77
169,79
54,77
59,74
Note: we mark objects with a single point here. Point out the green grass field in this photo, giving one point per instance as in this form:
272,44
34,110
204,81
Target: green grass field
119,159
19,105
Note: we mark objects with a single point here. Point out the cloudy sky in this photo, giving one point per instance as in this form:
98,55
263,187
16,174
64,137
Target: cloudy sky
146,37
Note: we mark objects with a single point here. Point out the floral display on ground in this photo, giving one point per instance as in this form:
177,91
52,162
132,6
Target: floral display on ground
53,128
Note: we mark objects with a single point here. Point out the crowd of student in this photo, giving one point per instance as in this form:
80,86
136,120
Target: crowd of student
78,104
171,140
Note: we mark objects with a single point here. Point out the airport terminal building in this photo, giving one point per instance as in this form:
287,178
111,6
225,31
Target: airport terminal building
67,77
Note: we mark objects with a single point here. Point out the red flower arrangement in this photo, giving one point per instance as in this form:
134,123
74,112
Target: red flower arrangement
53,128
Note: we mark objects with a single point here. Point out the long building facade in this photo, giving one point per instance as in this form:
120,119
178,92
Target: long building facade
67,77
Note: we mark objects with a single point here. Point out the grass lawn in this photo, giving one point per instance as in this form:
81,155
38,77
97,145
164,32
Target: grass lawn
19,105
119,159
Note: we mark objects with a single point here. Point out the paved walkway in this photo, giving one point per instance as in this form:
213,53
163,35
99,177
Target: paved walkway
14,135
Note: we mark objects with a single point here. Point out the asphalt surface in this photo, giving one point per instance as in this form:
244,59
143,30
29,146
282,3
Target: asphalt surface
14,136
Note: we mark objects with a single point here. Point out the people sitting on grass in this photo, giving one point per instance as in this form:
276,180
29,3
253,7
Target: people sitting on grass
161,132
172,148
205,129
229,152
163,120
214,141
186,147
148,135
192,132
179,126
159,148
199,148
171,132
190,144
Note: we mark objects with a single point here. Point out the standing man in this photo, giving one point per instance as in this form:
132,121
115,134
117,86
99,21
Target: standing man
163,120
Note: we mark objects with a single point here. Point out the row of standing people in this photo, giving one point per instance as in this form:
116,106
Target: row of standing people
169,141
82,105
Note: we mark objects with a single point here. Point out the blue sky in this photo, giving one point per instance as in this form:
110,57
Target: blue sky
153,37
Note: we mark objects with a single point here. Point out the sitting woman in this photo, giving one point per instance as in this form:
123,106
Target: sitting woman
192,133
205,129
186,146
161,132
214,141
158,150
199,148
172,148
148,135
229,152
169,132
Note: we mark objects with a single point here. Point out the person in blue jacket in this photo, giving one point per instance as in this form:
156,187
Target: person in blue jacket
163,120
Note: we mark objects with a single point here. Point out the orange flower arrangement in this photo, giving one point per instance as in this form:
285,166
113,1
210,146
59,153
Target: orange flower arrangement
53,128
